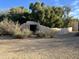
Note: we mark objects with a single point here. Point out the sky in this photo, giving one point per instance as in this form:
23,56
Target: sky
73,4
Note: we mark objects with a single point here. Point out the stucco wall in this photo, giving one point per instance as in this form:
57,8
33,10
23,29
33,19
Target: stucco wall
55,30
63,30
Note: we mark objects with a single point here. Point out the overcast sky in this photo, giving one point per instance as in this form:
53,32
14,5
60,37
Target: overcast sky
74,4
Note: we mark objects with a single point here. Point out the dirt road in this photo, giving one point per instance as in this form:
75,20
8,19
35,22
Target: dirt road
64,48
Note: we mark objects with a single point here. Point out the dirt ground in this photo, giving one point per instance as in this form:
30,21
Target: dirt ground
55,48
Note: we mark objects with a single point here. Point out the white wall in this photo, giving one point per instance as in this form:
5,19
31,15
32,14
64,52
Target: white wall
63,30
56,30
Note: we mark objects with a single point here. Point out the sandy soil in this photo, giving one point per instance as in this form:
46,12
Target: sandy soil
55,48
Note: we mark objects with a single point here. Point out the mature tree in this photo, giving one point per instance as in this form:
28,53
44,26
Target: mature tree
48,16
3,14
67,18
45,15
66,11
19,14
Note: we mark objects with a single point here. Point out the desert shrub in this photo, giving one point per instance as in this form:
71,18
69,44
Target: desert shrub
45,34
18,33
7,27
14,29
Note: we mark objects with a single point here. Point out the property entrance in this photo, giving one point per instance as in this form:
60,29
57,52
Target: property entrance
33,28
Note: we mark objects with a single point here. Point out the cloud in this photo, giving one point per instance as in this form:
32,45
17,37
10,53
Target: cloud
75,9
75,2
57,3
75,13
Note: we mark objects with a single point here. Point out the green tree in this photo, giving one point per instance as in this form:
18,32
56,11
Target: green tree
19,14
66,17
48,16
66,11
